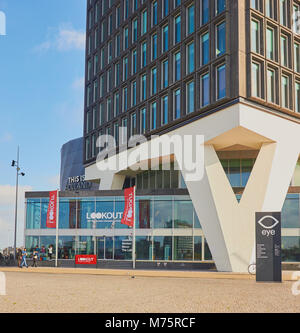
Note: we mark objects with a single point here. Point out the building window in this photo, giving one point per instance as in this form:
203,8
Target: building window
190,96
177,101
102,86
205,90
133,128
284,44
177,66
88,96
134,62
283,5
255,36
164,110
221,39
124,131
153,115
125,39
126,9
134,30
255,4
118,45
190,19
101,114
110,24
108,110
296,17
205,11
109,46
154,46
271,90
177,34
220,6
221,82
297,57
154,13
144,22
154,80
125,99
116,104
256,80
144,87
297,97
285,100
205,57
270,8
125,68
118,17
270,43
143,121
133,93
190,58
165,8
165,38
117,74
177,3
135,4
95,91
165,74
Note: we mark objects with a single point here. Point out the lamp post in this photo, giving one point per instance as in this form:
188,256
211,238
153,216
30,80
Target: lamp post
18,173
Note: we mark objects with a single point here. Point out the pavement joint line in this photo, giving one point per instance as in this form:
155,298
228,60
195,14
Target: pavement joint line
286,276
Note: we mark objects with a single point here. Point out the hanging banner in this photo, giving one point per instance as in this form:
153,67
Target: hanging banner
128,215
52,209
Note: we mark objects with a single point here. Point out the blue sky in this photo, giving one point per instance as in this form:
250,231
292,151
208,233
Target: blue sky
41,95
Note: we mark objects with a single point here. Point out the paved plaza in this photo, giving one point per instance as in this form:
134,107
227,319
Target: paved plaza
42,291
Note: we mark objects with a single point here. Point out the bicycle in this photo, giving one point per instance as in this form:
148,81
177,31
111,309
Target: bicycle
252,269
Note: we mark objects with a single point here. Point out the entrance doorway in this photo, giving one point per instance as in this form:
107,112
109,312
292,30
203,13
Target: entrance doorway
105,247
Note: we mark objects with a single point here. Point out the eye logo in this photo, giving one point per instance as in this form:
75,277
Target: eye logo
268,217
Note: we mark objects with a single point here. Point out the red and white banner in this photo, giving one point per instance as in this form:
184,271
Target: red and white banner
81,259
128,215
52,208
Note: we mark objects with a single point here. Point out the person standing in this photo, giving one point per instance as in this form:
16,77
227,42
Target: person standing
50,251
24,255
19,252
35,258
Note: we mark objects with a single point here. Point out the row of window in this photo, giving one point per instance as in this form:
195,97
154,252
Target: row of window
286,12
94,92
275,83
120,247
140,56
283,53
95,14
97,116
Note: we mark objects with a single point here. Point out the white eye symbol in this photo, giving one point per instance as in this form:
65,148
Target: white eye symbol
268,217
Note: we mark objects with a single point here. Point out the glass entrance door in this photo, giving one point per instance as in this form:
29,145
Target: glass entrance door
100,247
104,248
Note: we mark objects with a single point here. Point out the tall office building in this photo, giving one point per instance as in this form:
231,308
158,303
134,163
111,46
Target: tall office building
228,70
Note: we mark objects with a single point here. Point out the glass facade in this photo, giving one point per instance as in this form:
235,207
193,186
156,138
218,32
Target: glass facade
158,216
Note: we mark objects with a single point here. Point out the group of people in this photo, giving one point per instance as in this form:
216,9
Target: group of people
37,254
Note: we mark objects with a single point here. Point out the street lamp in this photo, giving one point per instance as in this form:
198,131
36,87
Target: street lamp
16,164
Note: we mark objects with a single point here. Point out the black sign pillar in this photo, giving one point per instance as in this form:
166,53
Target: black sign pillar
268,247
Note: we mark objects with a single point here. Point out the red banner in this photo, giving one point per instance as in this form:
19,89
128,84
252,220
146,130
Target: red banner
51,213
86,259
128,215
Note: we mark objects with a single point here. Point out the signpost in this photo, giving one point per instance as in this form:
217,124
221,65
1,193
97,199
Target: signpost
268,247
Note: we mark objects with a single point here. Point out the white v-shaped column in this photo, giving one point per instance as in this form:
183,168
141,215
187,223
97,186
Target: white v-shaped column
229,226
